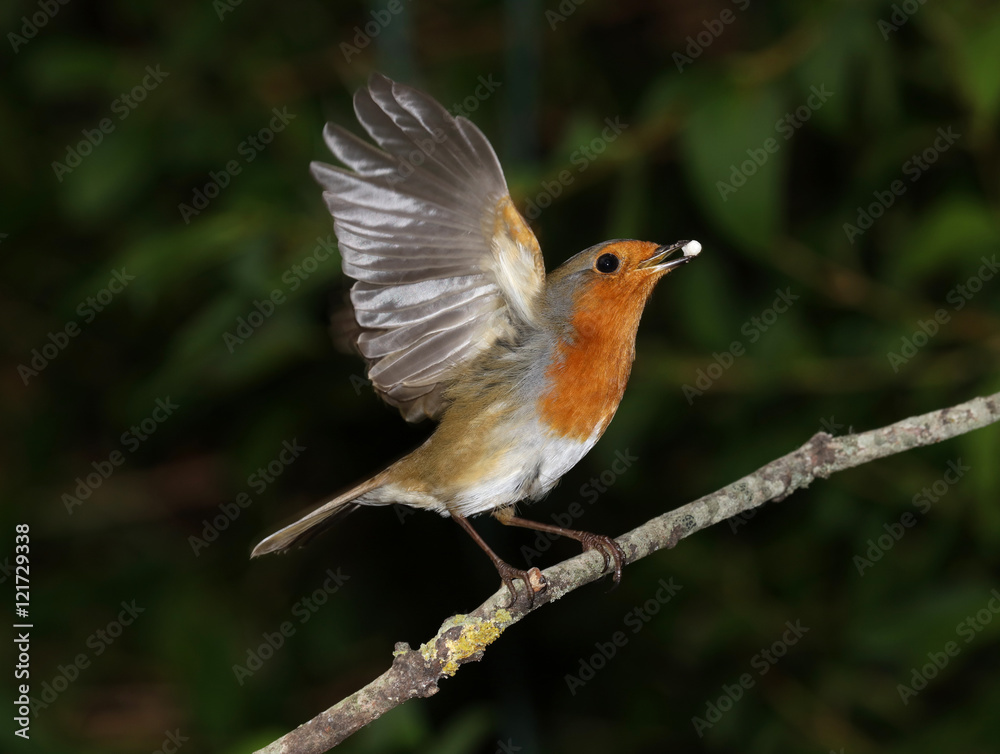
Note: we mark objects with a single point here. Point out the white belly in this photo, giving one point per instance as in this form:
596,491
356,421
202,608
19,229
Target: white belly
531,468
527,470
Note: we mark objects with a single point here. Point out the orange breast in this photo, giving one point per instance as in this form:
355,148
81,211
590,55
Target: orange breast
587,377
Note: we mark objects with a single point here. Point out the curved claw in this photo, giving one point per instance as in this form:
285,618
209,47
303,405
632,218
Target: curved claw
533,580
609,550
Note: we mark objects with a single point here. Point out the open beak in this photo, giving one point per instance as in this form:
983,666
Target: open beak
665,257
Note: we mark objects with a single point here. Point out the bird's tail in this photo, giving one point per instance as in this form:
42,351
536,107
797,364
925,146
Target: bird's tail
303,530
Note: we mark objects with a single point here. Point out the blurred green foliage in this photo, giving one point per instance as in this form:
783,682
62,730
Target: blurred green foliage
711,93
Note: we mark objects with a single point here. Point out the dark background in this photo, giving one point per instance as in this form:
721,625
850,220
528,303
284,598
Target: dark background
824,364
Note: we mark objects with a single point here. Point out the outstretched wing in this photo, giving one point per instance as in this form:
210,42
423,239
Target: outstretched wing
443,261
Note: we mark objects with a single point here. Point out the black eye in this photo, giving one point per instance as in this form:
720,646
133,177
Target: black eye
607,263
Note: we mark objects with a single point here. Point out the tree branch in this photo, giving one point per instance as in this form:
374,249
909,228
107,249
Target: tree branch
464,638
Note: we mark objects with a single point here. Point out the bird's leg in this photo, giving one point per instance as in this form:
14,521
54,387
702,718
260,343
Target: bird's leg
532,578
609,549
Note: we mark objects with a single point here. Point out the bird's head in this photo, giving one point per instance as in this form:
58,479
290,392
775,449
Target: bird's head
606,286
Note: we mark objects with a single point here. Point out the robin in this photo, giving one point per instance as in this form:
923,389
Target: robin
458,322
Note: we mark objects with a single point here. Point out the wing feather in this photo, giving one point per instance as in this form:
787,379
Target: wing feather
443,263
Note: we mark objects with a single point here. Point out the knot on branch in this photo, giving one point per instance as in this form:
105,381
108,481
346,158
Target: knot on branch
821,455
797,470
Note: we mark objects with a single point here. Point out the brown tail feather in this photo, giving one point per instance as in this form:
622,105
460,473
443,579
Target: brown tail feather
307,527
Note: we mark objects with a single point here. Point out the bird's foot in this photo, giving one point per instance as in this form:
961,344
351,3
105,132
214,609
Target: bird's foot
533,580
608,548
605,545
